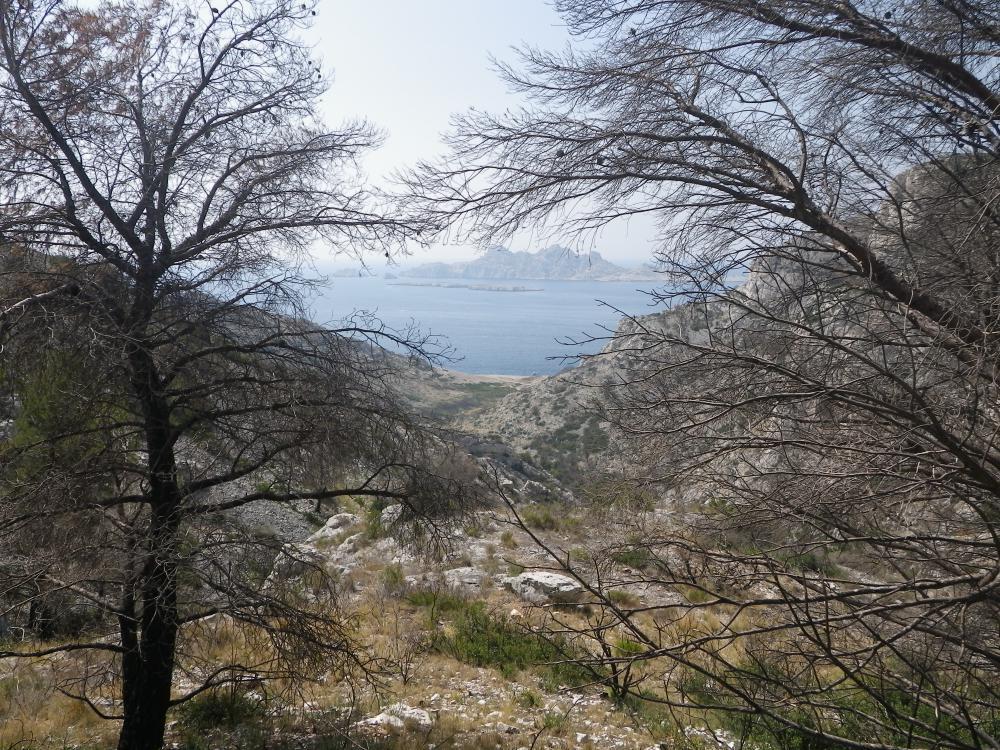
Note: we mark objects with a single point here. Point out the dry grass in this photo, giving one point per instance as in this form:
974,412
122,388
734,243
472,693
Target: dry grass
467,702
34,714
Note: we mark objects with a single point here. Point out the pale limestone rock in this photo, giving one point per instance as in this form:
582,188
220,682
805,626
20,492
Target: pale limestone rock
465,579
543,587
399,717
333,526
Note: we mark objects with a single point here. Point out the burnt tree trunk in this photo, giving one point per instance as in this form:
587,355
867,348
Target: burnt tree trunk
148,664
150,636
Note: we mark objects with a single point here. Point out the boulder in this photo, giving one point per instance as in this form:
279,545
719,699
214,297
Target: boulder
390,515
383,721
398,717
543,587
350,545
333,527
465,579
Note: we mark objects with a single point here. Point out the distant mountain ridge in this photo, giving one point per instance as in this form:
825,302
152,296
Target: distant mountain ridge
554,263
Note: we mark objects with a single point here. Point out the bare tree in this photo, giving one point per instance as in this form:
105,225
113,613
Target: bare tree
163,175
820,405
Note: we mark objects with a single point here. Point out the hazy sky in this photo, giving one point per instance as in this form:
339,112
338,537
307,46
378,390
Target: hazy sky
407,65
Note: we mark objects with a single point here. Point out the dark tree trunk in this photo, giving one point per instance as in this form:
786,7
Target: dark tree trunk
148,664
150,636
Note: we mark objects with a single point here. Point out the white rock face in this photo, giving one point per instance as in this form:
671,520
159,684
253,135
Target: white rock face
333,526
465,579
400,716
390,515
350,545
542,587
718,738
383,721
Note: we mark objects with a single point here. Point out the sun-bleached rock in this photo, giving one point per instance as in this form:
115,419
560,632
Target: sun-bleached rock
399,717
465,579
333,527
543,587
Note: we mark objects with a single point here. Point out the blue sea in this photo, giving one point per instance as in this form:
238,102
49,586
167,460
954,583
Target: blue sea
492,332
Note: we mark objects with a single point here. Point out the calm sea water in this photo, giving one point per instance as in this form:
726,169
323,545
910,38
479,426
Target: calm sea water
503,333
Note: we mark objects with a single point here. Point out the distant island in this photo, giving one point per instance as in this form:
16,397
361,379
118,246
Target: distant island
477,287
551,264
350,273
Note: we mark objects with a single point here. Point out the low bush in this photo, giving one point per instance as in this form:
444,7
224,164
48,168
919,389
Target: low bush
541,517
632,557
484,639
438,602
220,708
393,579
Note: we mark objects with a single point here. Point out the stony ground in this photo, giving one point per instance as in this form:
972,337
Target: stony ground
438,699
429,694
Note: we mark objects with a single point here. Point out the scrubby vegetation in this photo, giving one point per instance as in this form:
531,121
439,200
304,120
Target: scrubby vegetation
764,517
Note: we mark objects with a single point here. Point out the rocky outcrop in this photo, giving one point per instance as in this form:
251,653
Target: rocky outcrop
465,579
399,717
543,587
333,528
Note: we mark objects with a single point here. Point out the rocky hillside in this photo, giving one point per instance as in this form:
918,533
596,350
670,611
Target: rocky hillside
557,421
554,263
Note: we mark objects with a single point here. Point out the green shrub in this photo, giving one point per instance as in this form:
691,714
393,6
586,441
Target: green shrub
220,708
484,640
393,579
529,699
555,722
541,517
373,523
626,647
514,569
632,557
694,594
487,640
813,561
437,602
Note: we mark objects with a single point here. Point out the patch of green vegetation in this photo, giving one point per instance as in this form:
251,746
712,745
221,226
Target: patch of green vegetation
529,699
811,561
485,639
632,556
222,708
594,439
437,602
470,397
374,528
694,594
392,578
542,517
861,708
64,418
555,722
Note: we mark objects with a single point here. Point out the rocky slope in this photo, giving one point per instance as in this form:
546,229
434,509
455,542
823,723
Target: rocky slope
558,421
